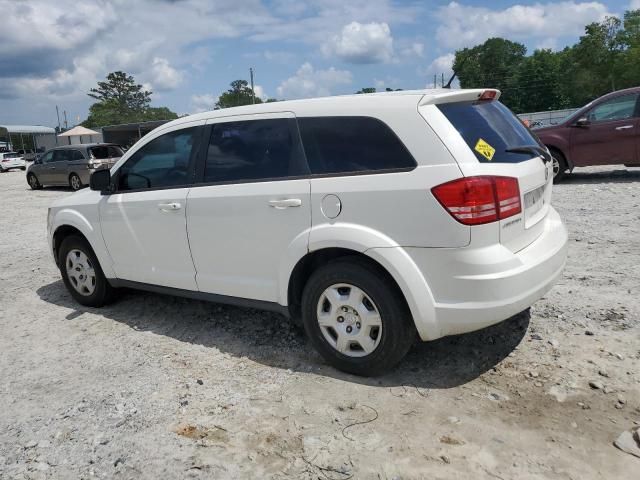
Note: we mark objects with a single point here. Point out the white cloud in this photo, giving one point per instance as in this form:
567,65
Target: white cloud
415,49
361,43
465,26
259,91
634,5
308,82
441,67
164,76
203,102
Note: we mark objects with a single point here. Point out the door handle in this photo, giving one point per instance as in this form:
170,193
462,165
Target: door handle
624,127
169,207
285,203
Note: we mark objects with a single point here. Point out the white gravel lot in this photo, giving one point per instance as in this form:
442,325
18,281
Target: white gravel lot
155,387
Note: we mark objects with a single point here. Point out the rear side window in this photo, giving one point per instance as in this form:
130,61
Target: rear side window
253,150
352,145
490,128
76,155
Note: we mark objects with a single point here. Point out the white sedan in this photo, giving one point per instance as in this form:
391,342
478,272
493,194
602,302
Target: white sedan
10,160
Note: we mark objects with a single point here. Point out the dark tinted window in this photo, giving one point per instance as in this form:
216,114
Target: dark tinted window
351,144
76,155
60,155
162,162
11,155
48,157
490,128
100,153
114,151
252,150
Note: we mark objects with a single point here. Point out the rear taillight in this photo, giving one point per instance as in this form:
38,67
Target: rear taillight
479,200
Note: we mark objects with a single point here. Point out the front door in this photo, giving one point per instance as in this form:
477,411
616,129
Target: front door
250,215
144,221
611,135
58,167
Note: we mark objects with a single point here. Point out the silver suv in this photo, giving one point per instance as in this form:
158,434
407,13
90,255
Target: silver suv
72,165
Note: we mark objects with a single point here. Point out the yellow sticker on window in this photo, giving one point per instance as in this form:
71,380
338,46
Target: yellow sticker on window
484,149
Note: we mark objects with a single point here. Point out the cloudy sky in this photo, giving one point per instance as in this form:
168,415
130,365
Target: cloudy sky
187,51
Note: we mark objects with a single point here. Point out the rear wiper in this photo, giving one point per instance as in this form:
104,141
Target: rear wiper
535,149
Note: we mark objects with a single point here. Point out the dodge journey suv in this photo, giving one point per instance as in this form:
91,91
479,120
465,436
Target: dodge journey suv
375,219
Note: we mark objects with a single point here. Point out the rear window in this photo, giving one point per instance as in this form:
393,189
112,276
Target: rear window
352,144
490,128
10,155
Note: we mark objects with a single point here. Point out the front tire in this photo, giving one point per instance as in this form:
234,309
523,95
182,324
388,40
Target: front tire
356,317
559,165
33,182
82,274
74,182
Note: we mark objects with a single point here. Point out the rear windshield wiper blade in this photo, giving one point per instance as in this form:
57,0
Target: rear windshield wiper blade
535,149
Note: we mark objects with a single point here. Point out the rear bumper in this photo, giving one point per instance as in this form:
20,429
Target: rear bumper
474,288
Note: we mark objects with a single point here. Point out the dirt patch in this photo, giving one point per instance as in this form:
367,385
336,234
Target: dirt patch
161,387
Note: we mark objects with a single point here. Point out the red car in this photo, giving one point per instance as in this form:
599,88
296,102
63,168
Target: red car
603,132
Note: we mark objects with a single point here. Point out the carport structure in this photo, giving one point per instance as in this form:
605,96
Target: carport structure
27,137
127,134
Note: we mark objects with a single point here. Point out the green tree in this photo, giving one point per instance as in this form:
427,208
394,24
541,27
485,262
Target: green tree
492,64
122,100
366,90
239,94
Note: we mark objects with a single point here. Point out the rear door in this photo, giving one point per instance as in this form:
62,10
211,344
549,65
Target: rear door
611,136
251,212
488,136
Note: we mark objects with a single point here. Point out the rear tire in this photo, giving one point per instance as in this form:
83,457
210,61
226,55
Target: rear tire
33,182
82,274
74,182
356,318
559,165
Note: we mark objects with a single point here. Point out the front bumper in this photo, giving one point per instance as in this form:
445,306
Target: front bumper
474,288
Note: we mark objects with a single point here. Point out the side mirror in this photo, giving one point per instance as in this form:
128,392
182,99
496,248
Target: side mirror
100,181
582,122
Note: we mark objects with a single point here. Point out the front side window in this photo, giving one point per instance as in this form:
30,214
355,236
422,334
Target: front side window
47,157
351,145
252,150
163,162
619,108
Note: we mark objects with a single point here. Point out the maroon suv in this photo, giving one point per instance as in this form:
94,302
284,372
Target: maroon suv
603,132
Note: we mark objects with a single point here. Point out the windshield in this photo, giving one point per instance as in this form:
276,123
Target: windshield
490,129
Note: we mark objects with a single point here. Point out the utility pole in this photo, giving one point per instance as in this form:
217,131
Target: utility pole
253,92
435,76
58,115
442,84
66,125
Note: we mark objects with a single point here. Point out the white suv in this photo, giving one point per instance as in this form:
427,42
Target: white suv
371,217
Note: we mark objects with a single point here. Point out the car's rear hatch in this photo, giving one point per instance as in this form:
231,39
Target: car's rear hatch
489,140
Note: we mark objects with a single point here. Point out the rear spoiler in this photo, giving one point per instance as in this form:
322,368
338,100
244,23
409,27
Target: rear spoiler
466,95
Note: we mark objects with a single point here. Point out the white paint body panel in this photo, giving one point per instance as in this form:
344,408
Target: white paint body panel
227,240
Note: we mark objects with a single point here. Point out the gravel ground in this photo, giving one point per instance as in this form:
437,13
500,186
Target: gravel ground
155,387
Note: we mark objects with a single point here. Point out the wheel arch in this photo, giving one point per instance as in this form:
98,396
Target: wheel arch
393,262
562,151
69,222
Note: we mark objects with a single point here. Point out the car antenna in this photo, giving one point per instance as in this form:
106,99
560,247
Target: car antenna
462,62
